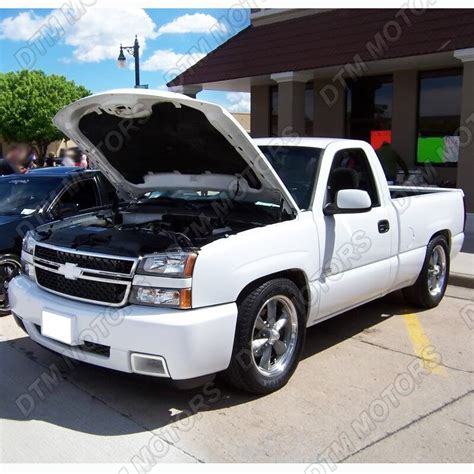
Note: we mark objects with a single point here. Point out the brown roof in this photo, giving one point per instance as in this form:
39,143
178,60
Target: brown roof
330,39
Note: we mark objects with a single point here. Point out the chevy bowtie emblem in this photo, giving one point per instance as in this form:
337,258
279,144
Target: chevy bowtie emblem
70,271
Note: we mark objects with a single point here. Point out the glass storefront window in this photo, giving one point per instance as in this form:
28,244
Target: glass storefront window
369,109
309,109
439,117
274,111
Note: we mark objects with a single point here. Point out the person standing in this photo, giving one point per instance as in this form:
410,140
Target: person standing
16,160
50,160
68,159
84,163
390,161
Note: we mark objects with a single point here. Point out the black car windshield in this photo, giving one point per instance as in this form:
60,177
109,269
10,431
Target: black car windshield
22,195
296,166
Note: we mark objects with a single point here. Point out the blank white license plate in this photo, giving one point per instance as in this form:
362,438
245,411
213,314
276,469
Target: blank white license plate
58,326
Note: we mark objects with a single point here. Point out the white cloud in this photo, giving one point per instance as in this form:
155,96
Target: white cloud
239,101
94,34
195,23
20,27
167,59
98,34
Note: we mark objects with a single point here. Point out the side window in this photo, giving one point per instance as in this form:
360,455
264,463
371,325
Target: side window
108,191
79,196
351,170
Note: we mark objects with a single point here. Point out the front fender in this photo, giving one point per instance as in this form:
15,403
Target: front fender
225,267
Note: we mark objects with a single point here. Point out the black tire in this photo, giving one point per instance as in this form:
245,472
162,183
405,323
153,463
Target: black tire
243,372
11,261
419,294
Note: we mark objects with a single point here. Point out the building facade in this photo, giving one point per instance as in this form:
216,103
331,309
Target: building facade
401,76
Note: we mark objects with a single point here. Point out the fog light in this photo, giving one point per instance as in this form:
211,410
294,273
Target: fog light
149,365
174,298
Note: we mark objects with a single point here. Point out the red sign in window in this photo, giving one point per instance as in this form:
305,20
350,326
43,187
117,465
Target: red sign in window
378,137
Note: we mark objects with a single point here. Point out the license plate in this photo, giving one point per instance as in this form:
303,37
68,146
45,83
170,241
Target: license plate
58,326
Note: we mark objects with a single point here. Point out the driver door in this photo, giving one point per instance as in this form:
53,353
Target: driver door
355,247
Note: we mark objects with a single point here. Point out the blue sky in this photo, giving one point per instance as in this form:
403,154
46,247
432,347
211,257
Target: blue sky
83,44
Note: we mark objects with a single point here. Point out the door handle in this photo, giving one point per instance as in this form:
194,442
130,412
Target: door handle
384,226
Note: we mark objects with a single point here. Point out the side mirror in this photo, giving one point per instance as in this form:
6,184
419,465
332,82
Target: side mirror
349,201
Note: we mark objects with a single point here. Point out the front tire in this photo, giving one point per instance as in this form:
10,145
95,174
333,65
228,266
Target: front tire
269,339
429,288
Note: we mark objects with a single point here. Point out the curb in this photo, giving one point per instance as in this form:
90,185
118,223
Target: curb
461,279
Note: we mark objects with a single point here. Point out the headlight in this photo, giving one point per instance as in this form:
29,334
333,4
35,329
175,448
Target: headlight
174,298
169,264
29,243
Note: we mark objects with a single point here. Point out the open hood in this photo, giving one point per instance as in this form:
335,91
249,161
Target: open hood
152,140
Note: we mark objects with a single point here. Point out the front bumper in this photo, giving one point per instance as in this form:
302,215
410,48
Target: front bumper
193,342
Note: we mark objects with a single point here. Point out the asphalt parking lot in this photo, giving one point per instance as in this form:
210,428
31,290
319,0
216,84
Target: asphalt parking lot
377,384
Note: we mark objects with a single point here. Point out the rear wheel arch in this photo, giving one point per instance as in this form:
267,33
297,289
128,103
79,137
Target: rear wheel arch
446,233
430,286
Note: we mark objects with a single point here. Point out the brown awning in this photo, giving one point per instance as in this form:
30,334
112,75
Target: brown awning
331,39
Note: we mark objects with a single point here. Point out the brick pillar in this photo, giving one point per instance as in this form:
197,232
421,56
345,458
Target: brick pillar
260,111
291,87
329,109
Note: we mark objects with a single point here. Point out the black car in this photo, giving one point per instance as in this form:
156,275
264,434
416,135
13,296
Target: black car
36,198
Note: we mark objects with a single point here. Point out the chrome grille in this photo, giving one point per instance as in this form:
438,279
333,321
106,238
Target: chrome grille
81,288
88,261
93,278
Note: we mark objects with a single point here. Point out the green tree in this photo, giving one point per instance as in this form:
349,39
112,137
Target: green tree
28,102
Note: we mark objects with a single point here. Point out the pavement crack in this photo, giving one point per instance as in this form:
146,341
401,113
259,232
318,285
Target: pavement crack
409,355
463,423
460,298
411,423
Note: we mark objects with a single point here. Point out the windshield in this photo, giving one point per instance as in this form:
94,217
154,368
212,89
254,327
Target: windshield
296,166
21,195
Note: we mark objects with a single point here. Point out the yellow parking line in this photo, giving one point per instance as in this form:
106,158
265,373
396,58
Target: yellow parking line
422,345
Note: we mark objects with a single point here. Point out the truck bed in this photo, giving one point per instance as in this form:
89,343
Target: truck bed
424,211
397,192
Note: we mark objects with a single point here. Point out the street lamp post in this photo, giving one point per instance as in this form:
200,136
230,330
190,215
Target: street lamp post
122,60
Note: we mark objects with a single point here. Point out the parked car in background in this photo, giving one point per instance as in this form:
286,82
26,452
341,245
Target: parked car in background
245,244
38,197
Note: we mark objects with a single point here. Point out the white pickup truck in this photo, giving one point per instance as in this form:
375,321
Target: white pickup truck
222,249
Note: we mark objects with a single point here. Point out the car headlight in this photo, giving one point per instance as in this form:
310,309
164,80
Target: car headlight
178,264
29,243
170,297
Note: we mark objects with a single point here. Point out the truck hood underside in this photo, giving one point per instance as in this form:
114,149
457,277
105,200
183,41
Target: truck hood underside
148,141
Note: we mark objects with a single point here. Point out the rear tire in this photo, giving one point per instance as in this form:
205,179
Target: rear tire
429,288
269,338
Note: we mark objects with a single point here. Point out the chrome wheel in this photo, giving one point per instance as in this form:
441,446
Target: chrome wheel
274,335
437,270
9,268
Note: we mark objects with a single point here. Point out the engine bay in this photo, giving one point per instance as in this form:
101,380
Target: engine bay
140,229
